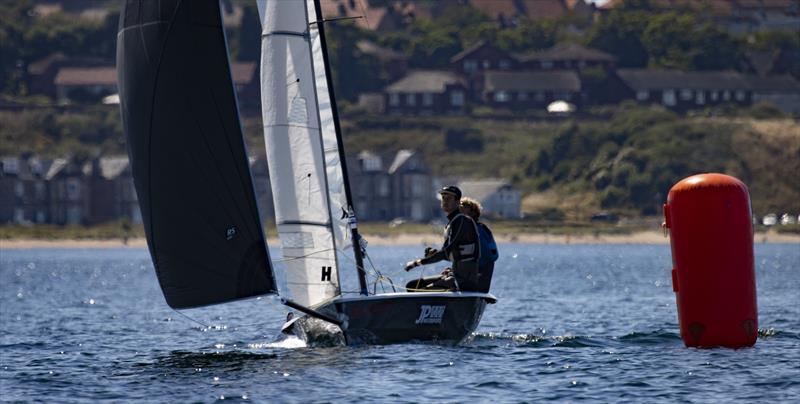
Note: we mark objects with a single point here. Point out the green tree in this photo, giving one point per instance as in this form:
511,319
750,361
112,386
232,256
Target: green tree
619,33
681,41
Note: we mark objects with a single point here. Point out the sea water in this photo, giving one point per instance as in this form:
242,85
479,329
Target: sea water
573,323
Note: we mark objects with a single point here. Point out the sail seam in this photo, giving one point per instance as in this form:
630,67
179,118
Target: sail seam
284,33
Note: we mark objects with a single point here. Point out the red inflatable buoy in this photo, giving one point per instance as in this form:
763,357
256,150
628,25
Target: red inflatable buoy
713,276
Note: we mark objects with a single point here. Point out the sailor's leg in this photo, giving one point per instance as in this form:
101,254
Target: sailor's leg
417,285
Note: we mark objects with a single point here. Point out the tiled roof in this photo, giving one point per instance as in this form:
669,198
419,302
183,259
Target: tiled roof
468,50
532,81
780,84
645,79
112,167
544,8
482,189
424,81
370,48
242,72
568,51
400,159
82,76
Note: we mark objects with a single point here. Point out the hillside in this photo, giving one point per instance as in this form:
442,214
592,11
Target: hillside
625,163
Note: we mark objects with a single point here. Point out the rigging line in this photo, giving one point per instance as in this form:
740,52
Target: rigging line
191,319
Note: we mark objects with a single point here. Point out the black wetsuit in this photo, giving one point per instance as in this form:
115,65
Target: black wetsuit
462,248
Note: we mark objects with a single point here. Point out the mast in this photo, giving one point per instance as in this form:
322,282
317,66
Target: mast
357,251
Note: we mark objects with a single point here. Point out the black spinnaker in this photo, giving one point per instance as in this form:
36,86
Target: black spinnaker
187,152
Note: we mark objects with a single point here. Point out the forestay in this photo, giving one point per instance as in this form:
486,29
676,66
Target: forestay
188,155
302,153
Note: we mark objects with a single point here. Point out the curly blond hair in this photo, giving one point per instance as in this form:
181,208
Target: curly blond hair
470,207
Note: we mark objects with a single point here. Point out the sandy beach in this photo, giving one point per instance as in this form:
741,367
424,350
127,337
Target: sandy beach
649,237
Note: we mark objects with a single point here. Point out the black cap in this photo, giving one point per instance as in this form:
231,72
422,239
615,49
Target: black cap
451,189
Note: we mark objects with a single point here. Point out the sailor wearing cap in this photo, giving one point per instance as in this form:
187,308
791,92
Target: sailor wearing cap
461,247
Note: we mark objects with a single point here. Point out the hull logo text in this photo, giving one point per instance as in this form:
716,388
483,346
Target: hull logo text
430,314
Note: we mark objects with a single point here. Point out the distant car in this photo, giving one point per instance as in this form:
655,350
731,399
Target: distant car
788,219
770,220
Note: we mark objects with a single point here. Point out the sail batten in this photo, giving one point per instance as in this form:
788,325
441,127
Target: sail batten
187,153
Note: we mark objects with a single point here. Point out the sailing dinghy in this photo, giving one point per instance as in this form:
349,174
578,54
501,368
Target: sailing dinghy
192,177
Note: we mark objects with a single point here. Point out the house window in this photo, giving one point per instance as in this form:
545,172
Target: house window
668,97
700,97
10,166
418,186
40,188
501,96
522,96
563,95
19,189
686,95
371,163
726,95
470,66
581,64
411,99
714,96
457,98
383,186
487,64
40,216
504,64
642,95
73,189
427,99
394,99
739,95
546,64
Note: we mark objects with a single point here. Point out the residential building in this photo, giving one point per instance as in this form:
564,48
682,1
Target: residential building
85,84
427,92
85,80
412,186
682,90
497,197
531,89
480,57
392,186
392,62
112,191
783,91
23,190
372,188
566,56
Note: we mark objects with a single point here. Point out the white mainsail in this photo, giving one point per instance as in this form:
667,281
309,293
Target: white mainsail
302,152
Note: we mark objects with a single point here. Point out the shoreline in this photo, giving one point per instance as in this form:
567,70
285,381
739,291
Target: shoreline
646,237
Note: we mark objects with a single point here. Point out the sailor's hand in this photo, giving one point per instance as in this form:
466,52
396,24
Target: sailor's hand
412,264
430,251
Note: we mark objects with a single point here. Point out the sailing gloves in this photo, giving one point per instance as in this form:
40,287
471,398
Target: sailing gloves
412,264
430,251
